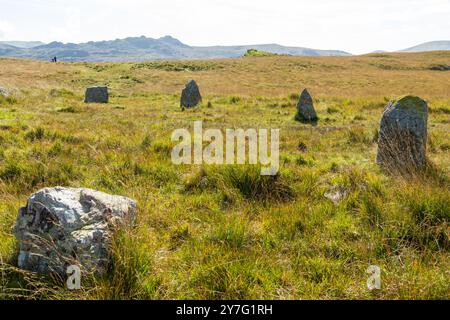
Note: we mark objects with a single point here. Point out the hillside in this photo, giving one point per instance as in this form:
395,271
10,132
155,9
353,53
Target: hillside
23,44
429,46
224,232
143,48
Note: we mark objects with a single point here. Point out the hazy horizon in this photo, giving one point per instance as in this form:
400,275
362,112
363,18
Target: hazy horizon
350,25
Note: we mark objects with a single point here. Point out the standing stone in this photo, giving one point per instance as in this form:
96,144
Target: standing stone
190,96
96,95
403,135
67,226
305,108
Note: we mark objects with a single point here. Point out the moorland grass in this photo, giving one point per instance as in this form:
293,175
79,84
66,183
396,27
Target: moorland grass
225,232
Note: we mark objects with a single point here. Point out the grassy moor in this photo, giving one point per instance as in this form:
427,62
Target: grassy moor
226,232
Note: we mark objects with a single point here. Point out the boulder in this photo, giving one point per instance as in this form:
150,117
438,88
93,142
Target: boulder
190,96
96,95
305,108
70,226
336,194
440,67
402,138
4,92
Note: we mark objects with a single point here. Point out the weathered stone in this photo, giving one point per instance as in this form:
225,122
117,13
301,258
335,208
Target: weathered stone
68,226
403,134
190,96
336,194
440,67
4,92
96,95
305,108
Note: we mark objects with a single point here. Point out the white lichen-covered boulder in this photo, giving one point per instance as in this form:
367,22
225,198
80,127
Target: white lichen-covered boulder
70,226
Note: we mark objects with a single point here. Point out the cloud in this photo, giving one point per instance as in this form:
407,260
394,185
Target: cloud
70,27
5,29
352,25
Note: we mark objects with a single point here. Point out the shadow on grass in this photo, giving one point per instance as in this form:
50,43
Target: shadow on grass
313,122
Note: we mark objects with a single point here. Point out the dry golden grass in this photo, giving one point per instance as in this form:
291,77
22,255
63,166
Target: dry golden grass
371,75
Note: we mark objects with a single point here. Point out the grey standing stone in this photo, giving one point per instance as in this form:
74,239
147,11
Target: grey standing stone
69,226
402,139
190,96
96,95
305,108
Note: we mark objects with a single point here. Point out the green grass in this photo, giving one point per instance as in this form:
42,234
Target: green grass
173,66
258,53
225,232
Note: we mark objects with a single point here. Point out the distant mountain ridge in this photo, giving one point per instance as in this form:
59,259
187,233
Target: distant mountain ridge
443,45
23,44
143,48
164,48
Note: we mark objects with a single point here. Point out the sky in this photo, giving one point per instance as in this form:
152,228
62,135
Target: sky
356,26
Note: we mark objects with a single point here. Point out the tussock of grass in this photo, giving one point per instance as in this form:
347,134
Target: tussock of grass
173,66
253,186
235,234
294,96
8,100
443,109
245,179
357,135
130,265
428,206
67,109
55,93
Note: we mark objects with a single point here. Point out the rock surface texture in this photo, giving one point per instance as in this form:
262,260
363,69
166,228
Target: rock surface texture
305,108
68,226
190,96
96,95
4,92
402,138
